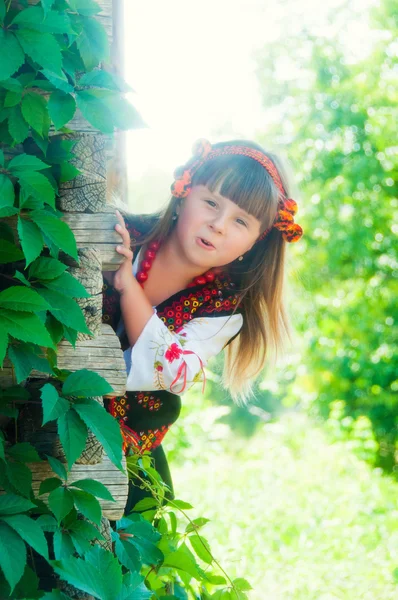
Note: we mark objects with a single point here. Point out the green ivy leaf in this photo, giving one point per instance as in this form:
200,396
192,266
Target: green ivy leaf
26,327
87,8
56,230
45,268
92,43
49,484
43,48
47,522
61,108
24,452
181,504
54,406
37,185
8,211
63,545
25,357
72,434
10,504
68,285
196,524
21,277
100,574
128,555
94,487
9,253
31,239
17,126
104,79
103,426
67,172
85,384
34,107
60,502
94,109
134,588
35,18
88,505
20,477
124,115
26,162
30,531
12,98
57,467
201,548
183,559
65,310
1,158
58,81
54,328
242,585
19,298
12,555
11,54
7,194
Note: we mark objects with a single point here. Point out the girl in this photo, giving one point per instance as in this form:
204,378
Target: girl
205,272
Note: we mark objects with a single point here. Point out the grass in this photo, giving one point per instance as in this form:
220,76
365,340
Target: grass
300,517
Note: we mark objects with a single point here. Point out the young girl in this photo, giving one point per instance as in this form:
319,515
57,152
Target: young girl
203,275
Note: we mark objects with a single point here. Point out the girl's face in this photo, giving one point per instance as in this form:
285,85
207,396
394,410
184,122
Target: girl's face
213,231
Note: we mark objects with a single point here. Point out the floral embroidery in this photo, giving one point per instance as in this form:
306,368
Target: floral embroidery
173,352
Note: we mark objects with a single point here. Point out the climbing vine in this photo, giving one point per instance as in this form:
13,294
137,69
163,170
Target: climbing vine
51,53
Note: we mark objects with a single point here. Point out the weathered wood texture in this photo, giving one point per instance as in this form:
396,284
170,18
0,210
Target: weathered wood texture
89,273
102,354
97,231
87,192
105,472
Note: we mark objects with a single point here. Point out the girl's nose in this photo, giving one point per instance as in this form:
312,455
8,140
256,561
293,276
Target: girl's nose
218,224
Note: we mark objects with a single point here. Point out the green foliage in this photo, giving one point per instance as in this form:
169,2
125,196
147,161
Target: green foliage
339,123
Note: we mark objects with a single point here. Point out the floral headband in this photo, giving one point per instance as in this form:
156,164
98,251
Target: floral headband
203,151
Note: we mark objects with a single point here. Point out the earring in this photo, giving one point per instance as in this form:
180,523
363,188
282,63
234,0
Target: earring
240,258
174,217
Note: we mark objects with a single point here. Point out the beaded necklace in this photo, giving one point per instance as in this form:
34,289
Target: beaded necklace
149,257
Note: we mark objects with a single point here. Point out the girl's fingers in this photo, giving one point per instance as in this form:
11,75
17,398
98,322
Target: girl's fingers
120,219
122,231
126,252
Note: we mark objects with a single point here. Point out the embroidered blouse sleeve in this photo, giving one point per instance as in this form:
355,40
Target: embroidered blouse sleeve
161,359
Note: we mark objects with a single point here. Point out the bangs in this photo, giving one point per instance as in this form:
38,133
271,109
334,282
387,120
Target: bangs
244,181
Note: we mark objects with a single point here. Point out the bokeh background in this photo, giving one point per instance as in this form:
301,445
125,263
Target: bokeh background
301,486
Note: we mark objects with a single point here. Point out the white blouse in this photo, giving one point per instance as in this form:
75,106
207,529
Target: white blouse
166,360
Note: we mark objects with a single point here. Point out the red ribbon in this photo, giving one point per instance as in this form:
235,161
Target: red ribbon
183,370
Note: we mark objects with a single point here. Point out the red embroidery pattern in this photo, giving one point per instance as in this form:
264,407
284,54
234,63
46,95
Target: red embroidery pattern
141,440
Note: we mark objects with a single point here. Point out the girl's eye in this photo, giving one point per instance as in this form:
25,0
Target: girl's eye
241,222
211,202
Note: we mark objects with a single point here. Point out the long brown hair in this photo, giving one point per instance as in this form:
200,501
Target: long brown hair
261,272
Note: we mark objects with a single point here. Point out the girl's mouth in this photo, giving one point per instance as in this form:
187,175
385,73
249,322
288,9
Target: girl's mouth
205,244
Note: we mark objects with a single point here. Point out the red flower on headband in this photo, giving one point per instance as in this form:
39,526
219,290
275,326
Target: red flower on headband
181,186
293,234
291,205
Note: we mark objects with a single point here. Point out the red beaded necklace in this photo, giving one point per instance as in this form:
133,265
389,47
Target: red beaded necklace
149,257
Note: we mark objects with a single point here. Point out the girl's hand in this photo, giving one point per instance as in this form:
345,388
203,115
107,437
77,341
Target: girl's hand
124,277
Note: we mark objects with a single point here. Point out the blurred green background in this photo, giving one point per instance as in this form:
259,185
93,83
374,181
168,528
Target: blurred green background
301,485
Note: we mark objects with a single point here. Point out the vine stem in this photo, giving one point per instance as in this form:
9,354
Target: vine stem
157,498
